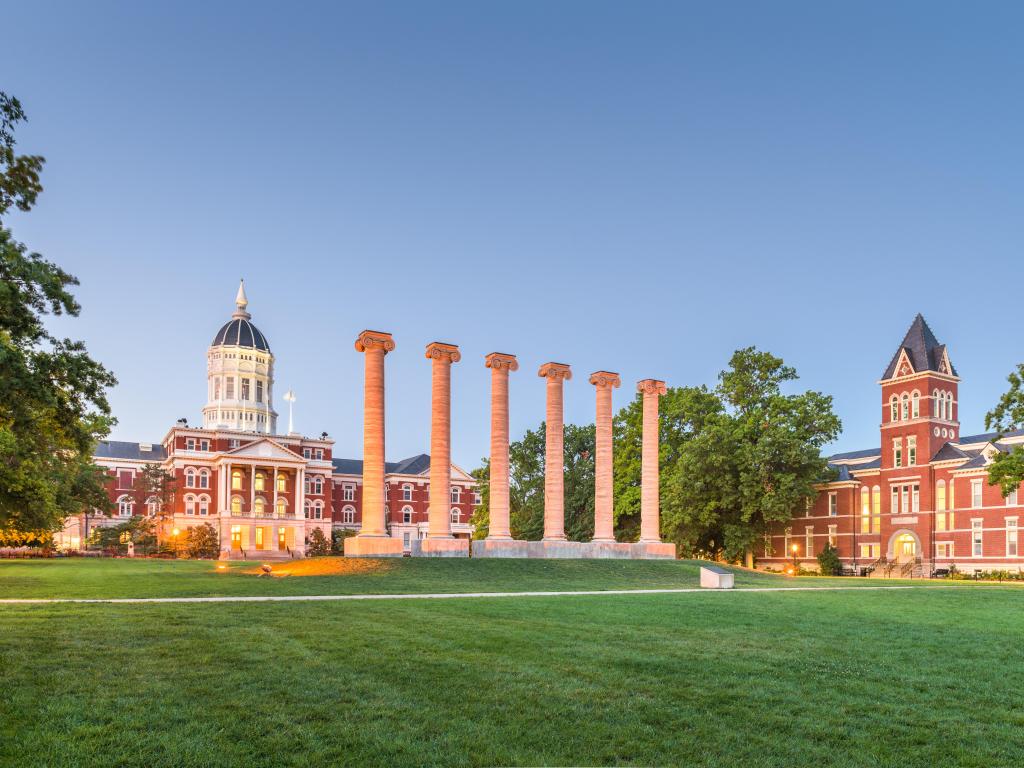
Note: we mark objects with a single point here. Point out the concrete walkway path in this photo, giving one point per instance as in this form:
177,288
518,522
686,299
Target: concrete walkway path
454,595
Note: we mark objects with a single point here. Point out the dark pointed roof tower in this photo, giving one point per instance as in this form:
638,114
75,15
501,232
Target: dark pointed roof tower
923,352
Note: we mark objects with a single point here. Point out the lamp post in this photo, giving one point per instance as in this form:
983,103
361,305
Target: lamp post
796,567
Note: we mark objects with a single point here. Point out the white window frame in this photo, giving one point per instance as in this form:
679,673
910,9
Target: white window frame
1012,537
977,537
977,491
348,493
833,504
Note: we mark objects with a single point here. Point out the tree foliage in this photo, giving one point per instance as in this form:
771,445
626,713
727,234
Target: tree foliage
114,538
202,541
53,405
753,463
317,545
1007,469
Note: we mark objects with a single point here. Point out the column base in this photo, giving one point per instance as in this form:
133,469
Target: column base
549,549
439,547
373,546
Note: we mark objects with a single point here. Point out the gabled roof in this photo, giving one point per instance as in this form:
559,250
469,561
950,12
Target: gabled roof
948,451
265,447
987,437
864,454
117,449
414,465
923,350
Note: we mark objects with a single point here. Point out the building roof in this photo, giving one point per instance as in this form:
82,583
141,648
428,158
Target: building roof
118,449
922,348
987,437
241,333
863,454
414,465
949,451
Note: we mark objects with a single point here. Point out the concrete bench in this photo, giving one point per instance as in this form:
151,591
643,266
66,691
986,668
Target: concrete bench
713,577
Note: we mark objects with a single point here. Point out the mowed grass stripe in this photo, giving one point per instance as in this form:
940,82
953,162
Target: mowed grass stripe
895,677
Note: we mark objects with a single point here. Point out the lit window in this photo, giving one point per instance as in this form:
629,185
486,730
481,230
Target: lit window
944,549
282,483
940,496
282,508
865,510
236,505
833,504
809,541
260,481
236,480
259,506
833,535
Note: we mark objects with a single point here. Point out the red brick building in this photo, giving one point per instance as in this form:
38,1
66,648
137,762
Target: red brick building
264,492
921,500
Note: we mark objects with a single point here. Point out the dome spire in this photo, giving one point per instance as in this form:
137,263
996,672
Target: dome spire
241,301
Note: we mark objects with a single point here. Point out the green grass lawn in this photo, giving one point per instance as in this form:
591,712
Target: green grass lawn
167,578
841,678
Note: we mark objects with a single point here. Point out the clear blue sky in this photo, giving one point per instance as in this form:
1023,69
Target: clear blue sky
634,187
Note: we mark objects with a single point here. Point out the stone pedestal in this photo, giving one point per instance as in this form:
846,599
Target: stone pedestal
574,550
373,546
451,547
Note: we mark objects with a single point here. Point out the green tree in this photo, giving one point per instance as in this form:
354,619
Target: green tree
752,463
317,544
202,541
53,405
115,538
526,485
1007,469
683,414
828,561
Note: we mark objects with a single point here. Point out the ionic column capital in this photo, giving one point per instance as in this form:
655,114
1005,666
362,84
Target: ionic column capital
651,387
555,371
375,340
500,361
447,353
605,379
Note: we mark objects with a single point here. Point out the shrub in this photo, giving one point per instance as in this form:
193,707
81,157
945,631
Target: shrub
317,544
828,561
338,536
202,541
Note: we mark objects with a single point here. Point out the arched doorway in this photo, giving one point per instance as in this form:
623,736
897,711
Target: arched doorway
904,546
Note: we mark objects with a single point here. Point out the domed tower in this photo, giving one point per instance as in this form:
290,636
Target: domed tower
240,376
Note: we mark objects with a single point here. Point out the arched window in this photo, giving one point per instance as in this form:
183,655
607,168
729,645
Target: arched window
876,500
282,483
236,505
259,506
190,478
318,510
904,407
204,478
261,481
204,505
894,408
455,515
406,492
236,480
915,404
456,494
190,504
306,509
318,485
949,406
282,508
865,510
406,514
152,506
125,506
348,515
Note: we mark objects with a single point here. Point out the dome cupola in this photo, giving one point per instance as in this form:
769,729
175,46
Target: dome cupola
240,375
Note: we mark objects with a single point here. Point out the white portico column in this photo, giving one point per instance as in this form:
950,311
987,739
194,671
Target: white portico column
498,526
275,491
439,519
604,381
252,489
650,524
554,457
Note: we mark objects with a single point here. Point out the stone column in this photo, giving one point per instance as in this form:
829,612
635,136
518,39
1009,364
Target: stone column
439,520
500,365
650,527
604,381
373,539
554,480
